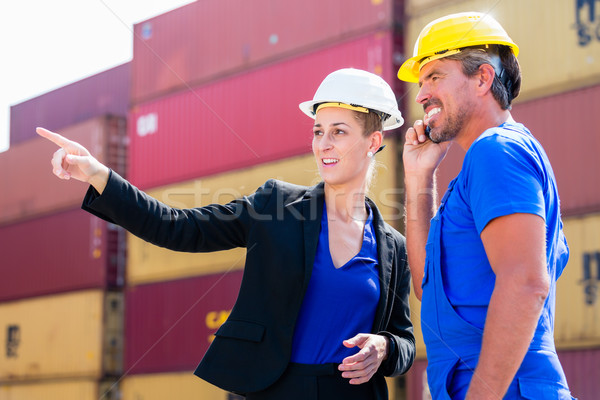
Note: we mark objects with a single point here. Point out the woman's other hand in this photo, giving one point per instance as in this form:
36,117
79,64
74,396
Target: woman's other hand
361,367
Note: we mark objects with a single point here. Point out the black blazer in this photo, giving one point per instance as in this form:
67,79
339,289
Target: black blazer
279,226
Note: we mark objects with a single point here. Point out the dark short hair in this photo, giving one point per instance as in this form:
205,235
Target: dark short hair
504,93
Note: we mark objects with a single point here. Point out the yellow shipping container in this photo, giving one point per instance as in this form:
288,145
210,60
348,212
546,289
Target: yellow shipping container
70,335
577,322
559,42
148,263
60,390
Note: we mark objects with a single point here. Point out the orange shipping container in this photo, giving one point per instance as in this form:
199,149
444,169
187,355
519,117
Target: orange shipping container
577,322
79,389
28,187
71,335
148,263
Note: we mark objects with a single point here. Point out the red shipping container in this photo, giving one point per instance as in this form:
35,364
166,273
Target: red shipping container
211,39
582,368
28,186
71,250
169,325
244,120
565,124
100,94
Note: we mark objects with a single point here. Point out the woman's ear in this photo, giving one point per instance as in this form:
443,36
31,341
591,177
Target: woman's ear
376,139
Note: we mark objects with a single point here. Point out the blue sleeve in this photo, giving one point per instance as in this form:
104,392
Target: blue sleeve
504,177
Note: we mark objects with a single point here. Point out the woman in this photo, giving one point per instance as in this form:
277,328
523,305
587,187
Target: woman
322,311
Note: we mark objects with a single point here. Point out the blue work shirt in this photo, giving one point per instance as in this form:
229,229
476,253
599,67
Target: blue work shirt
505,171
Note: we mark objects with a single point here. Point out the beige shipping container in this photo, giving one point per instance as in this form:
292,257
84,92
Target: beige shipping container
79,389
149,263
559,42
577,322
65,336
28,186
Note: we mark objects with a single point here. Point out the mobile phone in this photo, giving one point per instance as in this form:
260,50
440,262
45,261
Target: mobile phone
427,132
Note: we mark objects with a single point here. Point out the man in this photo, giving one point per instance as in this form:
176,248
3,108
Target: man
485,265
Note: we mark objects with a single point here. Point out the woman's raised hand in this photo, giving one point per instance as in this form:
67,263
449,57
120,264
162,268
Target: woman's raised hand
73,160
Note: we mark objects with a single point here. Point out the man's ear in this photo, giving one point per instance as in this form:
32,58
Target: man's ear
485,77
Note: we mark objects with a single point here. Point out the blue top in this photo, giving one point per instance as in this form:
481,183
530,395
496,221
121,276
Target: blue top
339,303
505,171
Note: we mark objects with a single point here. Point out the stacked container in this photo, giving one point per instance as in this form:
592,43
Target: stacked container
559,102
106,93
61,301
215,93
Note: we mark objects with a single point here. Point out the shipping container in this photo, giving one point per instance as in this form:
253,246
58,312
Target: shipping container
208,40
72,389
582,368
148,263
104,93
561,123
577,323
28,186
180,386
560,51
244,120
66,251
64,336
416,382
169,325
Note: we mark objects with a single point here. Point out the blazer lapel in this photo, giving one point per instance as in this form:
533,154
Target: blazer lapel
312,212
385,252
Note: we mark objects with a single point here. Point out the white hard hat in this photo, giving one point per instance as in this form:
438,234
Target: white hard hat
360,88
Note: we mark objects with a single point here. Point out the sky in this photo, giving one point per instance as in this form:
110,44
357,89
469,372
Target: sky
49,44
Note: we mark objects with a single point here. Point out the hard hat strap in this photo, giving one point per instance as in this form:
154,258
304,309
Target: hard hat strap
342,105
492,51
353,107
437,56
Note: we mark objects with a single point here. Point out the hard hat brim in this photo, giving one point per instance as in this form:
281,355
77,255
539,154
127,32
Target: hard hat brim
409,70
307,107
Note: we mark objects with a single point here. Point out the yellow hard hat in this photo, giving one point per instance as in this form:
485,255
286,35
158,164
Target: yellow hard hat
449,34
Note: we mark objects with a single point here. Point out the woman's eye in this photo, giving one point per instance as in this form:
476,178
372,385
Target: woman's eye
317,133
339,132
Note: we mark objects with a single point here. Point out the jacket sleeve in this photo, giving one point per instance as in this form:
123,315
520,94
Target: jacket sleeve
399,329
210,228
